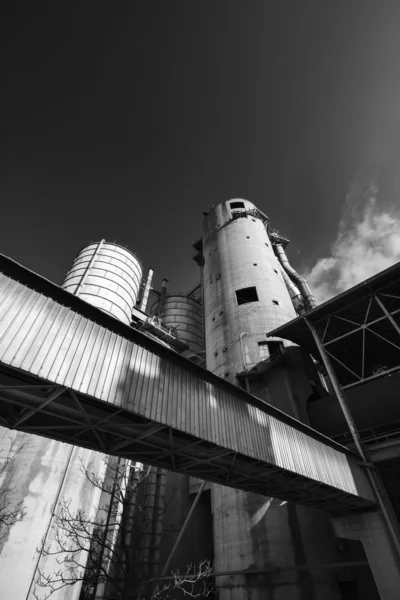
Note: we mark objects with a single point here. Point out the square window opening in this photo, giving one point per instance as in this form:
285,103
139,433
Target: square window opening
237,205
246,295
270,349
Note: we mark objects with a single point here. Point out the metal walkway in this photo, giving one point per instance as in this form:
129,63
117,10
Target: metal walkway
70,372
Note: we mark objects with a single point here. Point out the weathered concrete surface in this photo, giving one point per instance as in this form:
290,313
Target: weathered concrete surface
370,529
45,474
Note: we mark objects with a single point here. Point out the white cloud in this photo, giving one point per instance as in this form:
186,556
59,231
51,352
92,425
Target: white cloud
367,242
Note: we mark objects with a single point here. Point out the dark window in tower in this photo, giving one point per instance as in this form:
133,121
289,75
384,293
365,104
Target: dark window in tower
270,349
237,205
246,295
275,302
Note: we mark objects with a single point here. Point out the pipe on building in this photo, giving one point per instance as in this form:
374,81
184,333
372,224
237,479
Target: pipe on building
163,297
294,292
146,290
298,280
147,520
159,518
373,476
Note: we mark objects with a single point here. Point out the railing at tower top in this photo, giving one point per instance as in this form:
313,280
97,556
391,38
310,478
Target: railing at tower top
370,436
75,374
235,214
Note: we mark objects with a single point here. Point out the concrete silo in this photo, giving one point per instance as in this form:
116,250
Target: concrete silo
46,473
244,291
245,297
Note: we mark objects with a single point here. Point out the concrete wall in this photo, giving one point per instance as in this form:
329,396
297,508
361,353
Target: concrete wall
370,530
45,475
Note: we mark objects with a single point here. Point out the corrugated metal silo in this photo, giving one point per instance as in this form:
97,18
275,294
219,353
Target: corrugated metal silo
184,314
107,276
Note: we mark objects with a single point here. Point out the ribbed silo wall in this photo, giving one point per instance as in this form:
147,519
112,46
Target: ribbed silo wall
252,532
107,276
185,315
45,474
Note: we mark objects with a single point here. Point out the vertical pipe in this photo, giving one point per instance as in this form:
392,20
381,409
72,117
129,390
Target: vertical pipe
146,535
242,335
294,291
86,272
146,290
373,476
163,297
308,298
159,517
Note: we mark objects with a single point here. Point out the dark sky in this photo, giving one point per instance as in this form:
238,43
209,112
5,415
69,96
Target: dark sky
124,120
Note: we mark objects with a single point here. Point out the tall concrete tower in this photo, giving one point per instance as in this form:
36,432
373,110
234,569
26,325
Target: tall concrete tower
245,297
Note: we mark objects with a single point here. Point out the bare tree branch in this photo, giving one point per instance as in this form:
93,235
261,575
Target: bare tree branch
11,512
105,550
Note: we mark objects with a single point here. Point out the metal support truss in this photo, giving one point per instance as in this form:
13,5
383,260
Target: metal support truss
363,341
63,414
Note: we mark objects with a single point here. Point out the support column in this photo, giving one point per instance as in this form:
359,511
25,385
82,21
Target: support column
379,532
370,529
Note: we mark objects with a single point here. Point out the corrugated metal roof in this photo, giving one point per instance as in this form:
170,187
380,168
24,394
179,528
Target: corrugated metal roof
359,329
51,334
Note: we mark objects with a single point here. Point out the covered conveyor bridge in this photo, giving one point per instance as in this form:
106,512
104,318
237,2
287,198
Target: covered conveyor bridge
70,372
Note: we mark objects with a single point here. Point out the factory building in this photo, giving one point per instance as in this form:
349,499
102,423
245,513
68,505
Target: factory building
261,547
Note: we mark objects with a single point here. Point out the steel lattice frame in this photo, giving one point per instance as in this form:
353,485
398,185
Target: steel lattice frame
363,341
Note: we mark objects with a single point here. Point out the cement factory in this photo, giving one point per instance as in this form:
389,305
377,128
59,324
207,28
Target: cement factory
264,430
